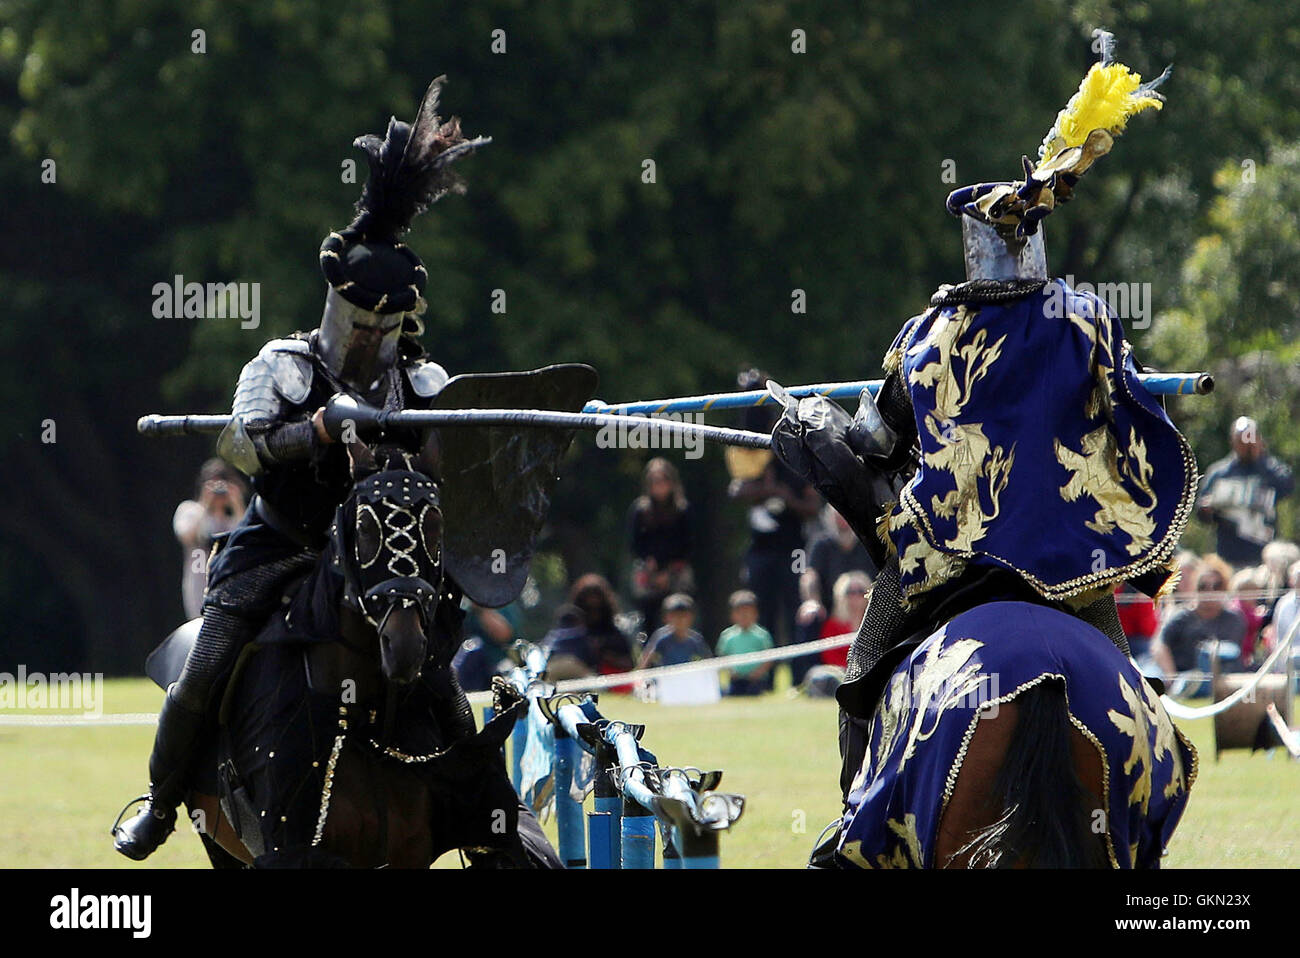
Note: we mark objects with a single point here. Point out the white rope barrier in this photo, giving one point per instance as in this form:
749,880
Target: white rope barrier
592,684
1289,738
1190,597
596,683
1184,712
71,721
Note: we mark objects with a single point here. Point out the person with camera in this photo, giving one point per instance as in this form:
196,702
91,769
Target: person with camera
219,504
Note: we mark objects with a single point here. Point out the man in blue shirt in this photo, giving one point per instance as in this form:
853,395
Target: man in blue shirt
1239,495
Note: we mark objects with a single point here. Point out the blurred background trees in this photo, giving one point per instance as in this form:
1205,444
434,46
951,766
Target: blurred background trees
774,171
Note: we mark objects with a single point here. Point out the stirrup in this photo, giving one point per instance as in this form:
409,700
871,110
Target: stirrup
143,798
823,853
147,829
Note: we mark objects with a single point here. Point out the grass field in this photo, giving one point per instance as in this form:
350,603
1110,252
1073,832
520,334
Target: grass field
62,787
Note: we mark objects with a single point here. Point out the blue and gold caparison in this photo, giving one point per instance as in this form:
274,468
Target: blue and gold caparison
1041,451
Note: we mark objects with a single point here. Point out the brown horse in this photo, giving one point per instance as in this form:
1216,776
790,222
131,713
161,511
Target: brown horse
973,830
1015,735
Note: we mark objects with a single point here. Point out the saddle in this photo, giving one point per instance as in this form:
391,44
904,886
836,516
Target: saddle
164,664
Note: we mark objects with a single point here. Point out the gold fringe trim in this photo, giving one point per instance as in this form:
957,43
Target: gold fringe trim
893,361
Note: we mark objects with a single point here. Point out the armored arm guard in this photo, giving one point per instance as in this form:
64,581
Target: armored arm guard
857,463
270,386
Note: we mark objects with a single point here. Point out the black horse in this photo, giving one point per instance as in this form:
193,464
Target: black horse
343,738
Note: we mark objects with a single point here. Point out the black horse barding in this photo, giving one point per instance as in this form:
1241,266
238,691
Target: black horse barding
343,736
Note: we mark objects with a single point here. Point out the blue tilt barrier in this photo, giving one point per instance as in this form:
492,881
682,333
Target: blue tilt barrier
600,841
635,799
568,812
638,837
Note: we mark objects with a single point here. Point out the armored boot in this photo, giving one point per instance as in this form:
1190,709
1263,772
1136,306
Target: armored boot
179,724
173,745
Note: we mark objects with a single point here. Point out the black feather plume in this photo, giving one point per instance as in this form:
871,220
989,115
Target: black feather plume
410,169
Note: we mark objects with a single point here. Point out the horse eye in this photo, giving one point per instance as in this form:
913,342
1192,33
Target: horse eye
431,530
369,536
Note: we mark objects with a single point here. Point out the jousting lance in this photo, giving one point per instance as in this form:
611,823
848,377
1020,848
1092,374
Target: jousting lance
598,415
1158,384
364,418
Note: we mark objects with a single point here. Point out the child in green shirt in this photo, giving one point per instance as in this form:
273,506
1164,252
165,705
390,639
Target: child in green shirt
746,635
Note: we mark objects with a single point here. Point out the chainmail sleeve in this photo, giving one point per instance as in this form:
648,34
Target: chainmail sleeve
882,625
450,705
1103,615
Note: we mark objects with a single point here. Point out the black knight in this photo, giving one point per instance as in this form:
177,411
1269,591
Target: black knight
365,347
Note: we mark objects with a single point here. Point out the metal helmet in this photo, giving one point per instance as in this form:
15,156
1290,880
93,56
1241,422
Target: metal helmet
376,281
996,254
357,345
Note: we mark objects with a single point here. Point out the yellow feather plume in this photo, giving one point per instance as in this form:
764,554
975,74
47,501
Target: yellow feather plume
1105,100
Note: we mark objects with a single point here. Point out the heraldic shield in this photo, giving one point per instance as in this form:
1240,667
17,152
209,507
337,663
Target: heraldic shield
496,481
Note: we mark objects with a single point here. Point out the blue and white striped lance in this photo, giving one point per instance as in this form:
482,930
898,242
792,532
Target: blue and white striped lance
1158,384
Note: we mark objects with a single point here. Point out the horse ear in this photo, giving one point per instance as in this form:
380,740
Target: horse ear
429,460
362,459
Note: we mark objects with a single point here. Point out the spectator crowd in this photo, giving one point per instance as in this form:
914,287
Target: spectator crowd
1237,603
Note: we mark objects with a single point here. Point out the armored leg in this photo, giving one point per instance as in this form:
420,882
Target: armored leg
232,615
179,725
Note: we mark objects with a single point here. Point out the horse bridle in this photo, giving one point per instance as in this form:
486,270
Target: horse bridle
397,502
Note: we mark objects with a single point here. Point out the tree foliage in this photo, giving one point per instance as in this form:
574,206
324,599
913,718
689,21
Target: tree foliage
1240,311
795,146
